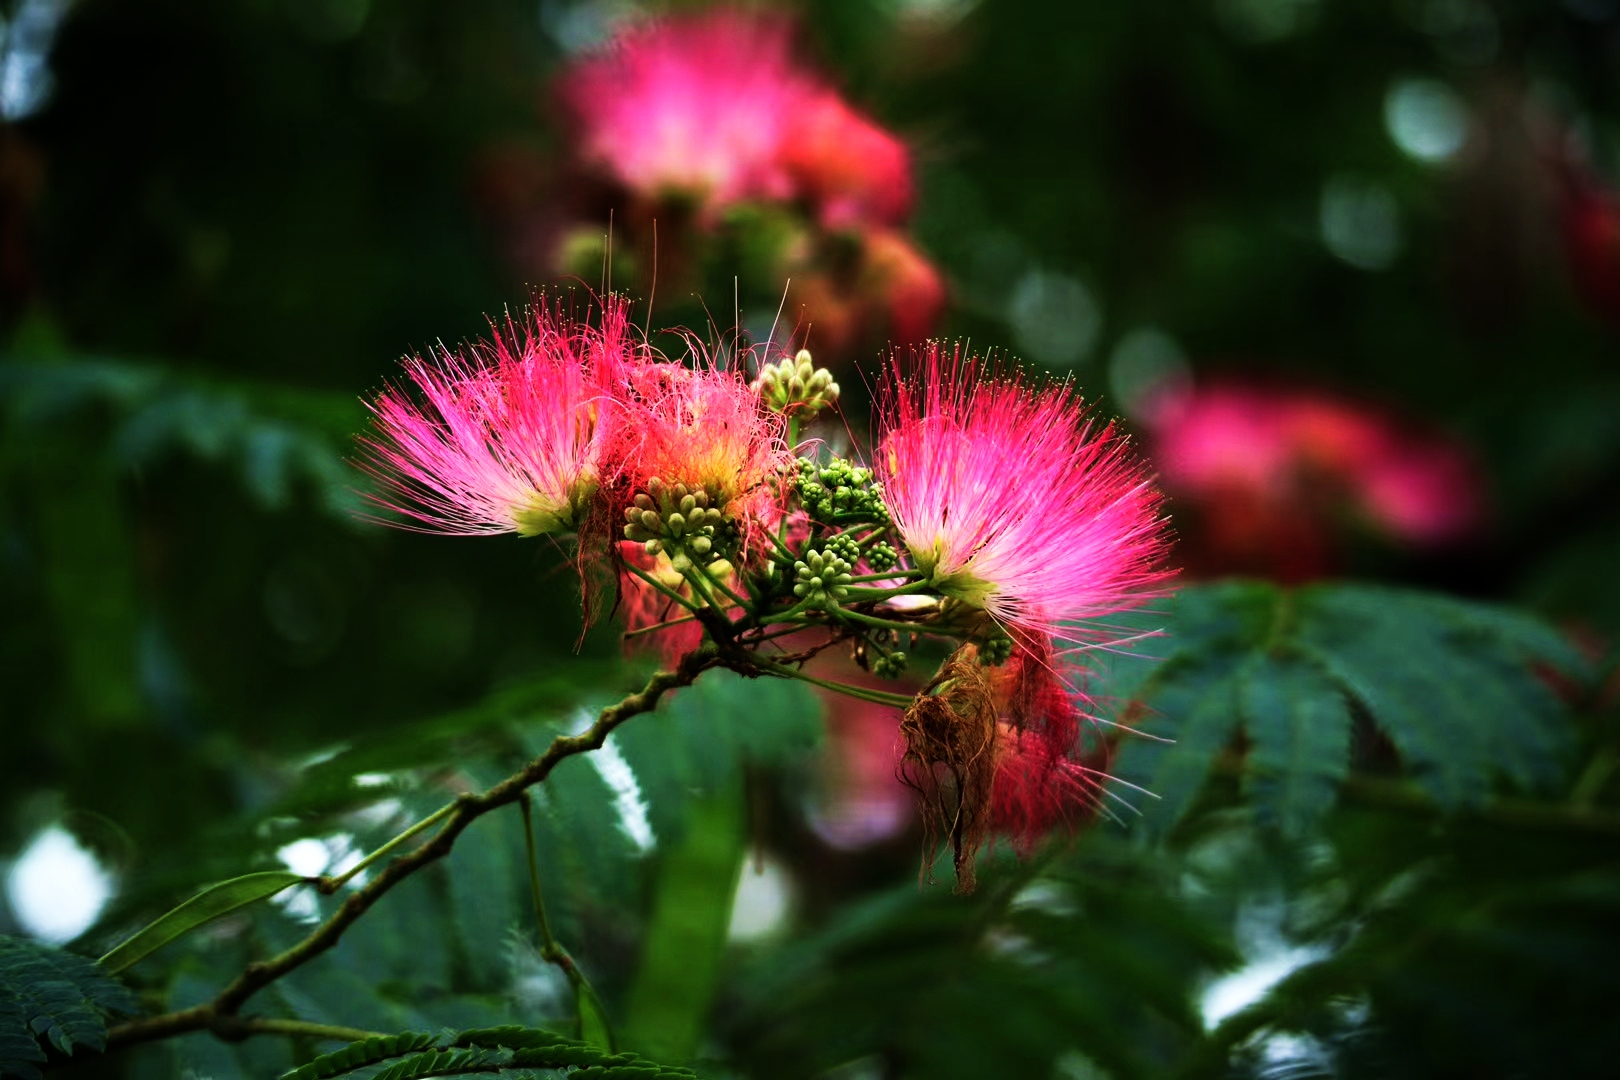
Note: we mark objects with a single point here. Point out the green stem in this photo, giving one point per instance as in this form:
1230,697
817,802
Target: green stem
884,594
723,587
882,624
913,575
793,430
661,587
548,944
878,697
241,1027
550,951
333,884
655,627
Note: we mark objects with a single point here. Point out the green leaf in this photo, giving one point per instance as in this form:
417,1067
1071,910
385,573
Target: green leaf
52,995
1448,681
210,904
1299,729
1193,712
593,1023
1090,951
686,937
357,1055
498,1050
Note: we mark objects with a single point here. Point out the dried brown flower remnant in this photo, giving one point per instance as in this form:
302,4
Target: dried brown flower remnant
950,758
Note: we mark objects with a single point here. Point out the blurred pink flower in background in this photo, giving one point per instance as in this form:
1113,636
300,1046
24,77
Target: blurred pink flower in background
859,799
908,286
696,106
708,127
715,106
852,170
1590,212
1265,469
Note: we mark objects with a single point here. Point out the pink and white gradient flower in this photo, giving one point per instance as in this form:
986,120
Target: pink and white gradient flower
695,105
505,435
1012,498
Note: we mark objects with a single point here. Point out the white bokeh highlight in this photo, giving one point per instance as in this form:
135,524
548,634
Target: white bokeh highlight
57,888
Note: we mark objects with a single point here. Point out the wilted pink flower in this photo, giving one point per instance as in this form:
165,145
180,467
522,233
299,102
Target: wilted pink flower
506,435
1012,498
855,172
1265,455
694,105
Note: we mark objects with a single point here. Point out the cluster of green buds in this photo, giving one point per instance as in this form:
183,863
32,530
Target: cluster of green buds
681,524
796,385
889,665
840,492
995,650
822,577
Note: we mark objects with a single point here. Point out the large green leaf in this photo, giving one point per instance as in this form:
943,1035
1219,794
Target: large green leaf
686,937
210,904
53,996
1277,676
1478,949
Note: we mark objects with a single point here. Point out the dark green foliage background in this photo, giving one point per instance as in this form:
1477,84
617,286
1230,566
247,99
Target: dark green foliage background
246,210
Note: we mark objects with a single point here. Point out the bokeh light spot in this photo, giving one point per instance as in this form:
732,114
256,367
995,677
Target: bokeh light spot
1427,119
57,888
1360,222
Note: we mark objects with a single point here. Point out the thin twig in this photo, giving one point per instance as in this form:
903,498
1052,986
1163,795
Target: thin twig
220,1014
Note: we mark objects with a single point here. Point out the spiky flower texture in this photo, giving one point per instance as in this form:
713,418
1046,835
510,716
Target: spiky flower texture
505,435
1012,498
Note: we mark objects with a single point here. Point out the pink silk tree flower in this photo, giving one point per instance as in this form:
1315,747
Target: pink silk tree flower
505,435
693,106
1013,499
1038,783
908,286
1273,453
855,173
702,427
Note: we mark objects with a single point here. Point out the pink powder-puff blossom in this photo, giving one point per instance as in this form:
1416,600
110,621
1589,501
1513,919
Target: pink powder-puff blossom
1283,455
853,171
505,435
1012,498
702,427
693,106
